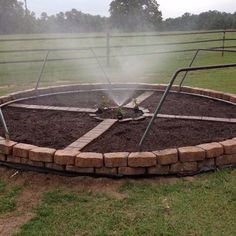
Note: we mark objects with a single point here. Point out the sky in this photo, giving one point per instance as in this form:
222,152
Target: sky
169,8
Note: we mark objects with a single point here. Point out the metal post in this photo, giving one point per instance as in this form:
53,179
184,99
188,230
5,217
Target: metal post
101,67
223,46
108,48
42,70
186,73
4,125
197,68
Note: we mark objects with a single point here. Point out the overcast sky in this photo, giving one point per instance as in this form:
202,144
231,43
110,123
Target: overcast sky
169,8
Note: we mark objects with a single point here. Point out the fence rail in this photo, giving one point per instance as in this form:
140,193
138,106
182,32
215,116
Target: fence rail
108,45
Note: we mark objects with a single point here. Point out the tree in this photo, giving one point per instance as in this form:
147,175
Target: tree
135,15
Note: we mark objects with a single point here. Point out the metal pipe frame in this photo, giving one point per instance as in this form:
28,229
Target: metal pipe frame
4,125
195,56
167,91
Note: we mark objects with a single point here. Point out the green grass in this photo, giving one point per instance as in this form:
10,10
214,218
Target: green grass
8,198
205,206
156,68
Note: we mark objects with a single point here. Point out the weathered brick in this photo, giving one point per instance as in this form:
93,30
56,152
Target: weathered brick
35,163
207,163
79,169
159,170
229,146
22,150
116,159
167,156
212,149
142,159
226,160
106,171
65,157
129,171
42,154
191,154
183,167
89,159
6,146
54,166
3,157
12,159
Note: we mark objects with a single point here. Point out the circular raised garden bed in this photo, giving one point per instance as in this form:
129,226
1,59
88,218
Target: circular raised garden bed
78,129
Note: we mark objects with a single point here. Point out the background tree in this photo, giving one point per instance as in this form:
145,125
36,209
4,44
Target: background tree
135,15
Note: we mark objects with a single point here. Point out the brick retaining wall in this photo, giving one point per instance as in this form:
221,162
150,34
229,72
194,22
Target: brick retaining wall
183,160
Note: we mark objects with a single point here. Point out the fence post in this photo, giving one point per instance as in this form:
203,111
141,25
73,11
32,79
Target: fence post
108,48
223,43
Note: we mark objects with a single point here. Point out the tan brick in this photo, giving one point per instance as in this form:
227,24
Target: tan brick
229,146
65,157
207,163
79,169
183,167
3,157
116,159
142,159
189,154
106,171
54,166
42,154
167,157
13,159
212,149
129,171
159,170
35,163
89,159
22,150
226,160
6,146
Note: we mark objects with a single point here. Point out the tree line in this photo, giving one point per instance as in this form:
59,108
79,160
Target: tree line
125,15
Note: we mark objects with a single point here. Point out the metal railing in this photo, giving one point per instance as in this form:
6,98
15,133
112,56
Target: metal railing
168,88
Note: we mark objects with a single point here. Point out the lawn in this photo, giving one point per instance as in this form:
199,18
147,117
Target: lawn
37,204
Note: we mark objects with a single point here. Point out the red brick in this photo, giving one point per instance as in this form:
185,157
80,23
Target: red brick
142,159
2,157
42,154
65,157
226,160
116,159
79,169
159,170
13,159
6,146
207,163
212,149
89,159
229,146
22,150
167,157
54,166
189,154
129,171
35,163
106,171
186,167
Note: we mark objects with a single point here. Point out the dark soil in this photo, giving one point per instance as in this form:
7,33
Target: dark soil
187,105
46,128
113,112
82,99
165,133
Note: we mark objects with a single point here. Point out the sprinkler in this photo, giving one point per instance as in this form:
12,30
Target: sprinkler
119,113
136,107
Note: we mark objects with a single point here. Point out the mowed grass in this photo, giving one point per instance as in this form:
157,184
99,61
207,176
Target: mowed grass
157,68
205,205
